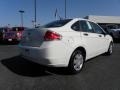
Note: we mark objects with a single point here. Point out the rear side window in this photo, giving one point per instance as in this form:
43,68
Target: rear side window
97,29
86,27
58,23
76,26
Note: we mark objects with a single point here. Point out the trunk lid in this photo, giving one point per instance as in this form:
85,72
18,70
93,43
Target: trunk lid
10,35
33,37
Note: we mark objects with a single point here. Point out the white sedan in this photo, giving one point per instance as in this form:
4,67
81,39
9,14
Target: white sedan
65,43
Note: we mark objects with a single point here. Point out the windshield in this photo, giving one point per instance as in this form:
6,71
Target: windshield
58,23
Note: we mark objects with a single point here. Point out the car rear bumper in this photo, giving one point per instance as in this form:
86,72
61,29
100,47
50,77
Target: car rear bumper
44,56
10,39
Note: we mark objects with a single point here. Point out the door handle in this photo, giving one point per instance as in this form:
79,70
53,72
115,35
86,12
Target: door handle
85,34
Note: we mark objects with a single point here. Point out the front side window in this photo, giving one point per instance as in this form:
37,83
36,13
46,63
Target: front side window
96,28
86,27
58,23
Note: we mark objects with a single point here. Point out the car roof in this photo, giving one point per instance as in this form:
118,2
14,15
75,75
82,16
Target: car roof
82,19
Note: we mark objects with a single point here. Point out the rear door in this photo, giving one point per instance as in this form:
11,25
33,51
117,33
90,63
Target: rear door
90,39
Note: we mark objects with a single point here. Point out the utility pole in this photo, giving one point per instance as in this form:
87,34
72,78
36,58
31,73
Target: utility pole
35,18
65,9
21,14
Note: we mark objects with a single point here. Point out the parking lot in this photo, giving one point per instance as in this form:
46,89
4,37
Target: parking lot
100,73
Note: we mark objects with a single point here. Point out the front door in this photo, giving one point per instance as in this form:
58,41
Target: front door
90,39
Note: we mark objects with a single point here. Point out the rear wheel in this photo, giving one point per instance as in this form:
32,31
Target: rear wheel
76,62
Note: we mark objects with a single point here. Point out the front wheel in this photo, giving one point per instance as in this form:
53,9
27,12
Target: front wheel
76,62
110,49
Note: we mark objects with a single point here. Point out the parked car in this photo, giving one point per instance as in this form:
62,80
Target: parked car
65,43
113,31
14,34
2,32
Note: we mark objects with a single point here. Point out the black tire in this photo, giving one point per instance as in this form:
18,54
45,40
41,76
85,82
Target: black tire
76,62
110,49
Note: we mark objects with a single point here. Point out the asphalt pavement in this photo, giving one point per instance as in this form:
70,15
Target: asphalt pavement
16,73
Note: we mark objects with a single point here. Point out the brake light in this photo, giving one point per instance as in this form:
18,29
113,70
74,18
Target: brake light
18,34
50,35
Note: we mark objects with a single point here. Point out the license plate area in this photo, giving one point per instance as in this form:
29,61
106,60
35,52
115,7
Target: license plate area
10,40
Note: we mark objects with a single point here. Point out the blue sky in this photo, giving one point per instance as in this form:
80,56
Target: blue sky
46,8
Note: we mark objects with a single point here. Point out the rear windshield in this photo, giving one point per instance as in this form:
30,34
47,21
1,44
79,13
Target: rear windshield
17,28
58,23
4,29
1,29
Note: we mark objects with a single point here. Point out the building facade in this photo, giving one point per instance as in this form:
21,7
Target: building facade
105,20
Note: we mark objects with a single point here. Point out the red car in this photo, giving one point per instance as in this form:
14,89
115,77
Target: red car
14,34
2,32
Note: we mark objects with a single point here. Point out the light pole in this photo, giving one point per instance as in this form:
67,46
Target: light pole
35,18
65,9
21,14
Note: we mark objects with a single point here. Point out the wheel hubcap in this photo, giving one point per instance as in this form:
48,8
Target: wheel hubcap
78,62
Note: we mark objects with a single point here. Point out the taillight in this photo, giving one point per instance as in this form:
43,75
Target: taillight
50,35
18,34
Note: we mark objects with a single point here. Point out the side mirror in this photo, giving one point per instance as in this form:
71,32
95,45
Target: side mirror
105,33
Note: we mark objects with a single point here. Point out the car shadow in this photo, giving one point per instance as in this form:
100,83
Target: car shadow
24,67
8,43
